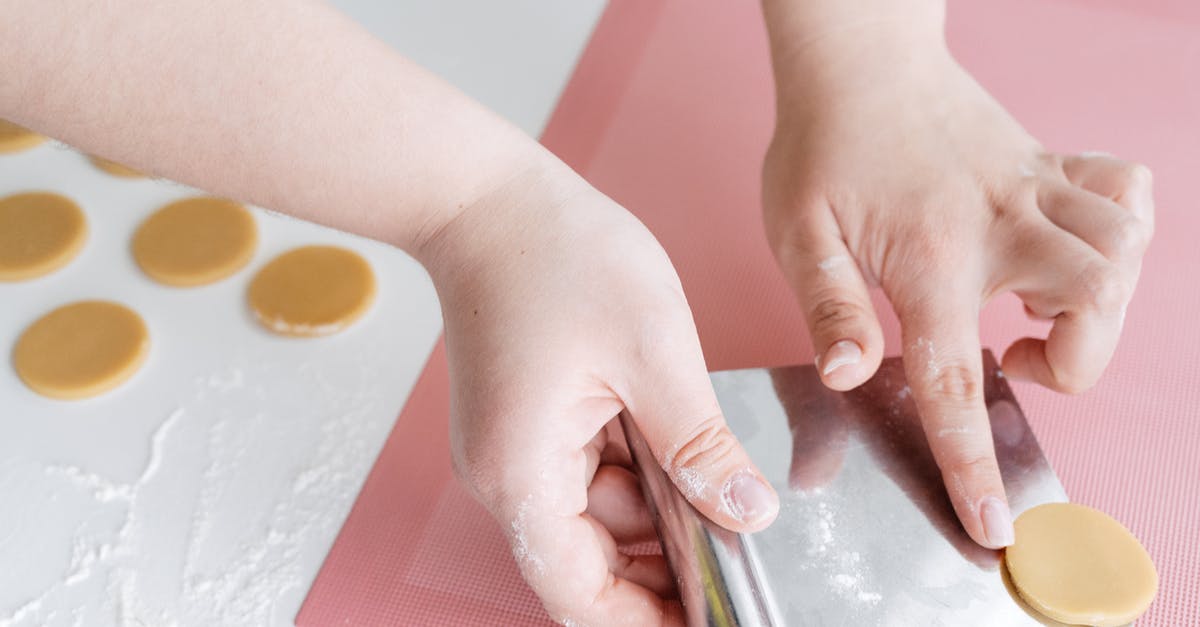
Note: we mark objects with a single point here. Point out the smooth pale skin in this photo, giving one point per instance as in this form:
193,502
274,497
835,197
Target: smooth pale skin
114,168
81,350
1078,565
891,167
560,306
15,138
40,232
195,241
312,290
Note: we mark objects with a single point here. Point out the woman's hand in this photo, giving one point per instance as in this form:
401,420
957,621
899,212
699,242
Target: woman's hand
891,166
561,309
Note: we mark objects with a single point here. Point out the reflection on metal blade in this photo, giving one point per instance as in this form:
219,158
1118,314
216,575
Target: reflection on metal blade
866,534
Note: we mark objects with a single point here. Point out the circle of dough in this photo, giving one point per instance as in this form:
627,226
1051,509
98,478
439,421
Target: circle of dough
312,290
81,349
195,241
1078,565
114,168
15,138
40,232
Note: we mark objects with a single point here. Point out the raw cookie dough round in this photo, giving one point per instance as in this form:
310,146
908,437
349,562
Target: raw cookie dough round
114,168
15,138
312,290
195,241
39,233
81,349
1077,565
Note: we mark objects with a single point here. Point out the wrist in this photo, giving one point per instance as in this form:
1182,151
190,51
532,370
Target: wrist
526,200
821,48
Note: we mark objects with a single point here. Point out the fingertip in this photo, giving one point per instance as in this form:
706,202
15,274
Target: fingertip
749,501
846,365
840,364
981,506
1015,362
997,522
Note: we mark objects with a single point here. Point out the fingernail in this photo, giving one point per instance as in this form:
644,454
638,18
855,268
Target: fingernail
997,521
747,498
842,353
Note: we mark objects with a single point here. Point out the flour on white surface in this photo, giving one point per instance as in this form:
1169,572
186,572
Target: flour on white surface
231,568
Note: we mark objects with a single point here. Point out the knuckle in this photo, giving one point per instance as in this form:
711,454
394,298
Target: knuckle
1128,238
957,383
831,313
1137,176
703,447
1103,289
966,461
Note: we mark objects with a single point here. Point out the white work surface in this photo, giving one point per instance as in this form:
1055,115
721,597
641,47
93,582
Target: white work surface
208,489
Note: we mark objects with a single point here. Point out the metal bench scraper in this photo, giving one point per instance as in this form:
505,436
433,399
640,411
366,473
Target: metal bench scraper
866,534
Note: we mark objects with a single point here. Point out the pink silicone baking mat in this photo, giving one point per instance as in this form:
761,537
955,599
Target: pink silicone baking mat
669,112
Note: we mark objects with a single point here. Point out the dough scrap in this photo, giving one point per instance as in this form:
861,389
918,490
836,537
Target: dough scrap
195,241
15,138
114,168
40,232
312,291
82,349
1079,566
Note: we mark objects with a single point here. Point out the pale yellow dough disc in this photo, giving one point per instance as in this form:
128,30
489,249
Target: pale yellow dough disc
115,169
40,232
195,241
313,290
81,349
1077,565
15,138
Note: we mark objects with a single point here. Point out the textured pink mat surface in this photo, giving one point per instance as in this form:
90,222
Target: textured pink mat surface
669,112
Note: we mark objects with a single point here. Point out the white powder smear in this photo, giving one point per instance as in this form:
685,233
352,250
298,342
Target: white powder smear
833,263
1025,171
948,431
229,514
961,490
691,482
925,348
520,538
819,531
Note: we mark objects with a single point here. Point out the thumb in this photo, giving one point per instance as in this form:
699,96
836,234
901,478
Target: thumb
845,331
676,410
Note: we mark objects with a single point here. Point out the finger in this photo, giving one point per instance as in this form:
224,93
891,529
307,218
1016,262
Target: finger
1130,185
615,499
671,400
845,332
593,452
943,362
573,565
1114,231
617,450
648,571
1085,295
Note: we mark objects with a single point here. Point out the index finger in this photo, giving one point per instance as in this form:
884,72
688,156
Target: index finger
943,363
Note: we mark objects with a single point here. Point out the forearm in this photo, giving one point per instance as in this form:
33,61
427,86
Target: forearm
285,104
819,46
